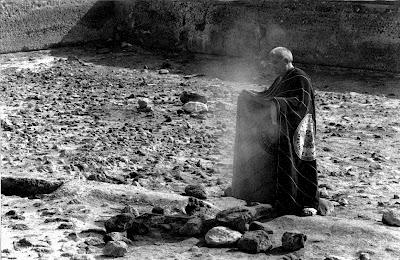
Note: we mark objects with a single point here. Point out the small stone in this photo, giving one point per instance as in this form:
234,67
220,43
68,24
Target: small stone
222,236
343,202
11,213
256,225
196,191
195,107
66,226
19,226
115,249
83,257
255,242
186,97
325,207
22,243
396,197
138,228
293,241
145,109
365,256
391,218
73,236
323,193
94,241
119,223
163,71
228,192
194,205
6,124
192,227
333,257
114,236
143,102
158,210
131,210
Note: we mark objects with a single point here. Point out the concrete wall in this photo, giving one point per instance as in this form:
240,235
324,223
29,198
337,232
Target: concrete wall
357,34
39,24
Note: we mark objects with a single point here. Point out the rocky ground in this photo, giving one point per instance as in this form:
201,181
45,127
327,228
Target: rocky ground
70,117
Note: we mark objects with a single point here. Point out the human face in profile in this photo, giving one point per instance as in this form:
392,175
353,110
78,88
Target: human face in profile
277,64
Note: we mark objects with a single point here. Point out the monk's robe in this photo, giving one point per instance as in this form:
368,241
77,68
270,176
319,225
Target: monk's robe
274,159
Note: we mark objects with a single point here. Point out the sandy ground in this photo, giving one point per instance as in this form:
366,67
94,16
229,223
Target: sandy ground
73,115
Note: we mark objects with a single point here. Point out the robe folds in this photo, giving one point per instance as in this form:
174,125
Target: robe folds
274,157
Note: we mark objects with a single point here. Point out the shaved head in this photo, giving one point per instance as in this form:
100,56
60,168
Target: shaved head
282,53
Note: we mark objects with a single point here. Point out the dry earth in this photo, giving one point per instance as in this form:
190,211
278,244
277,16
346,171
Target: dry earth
70,115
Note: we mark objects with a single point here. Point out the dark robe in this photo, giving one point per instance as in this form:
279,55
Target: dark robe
289,146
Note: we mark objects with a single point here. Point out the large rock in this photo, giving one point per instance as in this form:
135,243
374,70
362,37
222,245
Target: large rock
186,97
222,236
255,242
119,223
195,107
293,241
115,249
391,218
196,191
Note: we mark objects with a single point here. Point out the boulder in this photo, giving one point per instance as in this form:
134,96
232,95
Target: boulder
115,249
222,236
391,218
255,242
186,97
256,225
195,107
293,241
119,223
196,191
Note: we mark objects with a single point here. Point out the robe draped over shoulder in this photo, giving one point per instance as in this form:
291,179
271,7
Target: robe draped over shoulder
274,158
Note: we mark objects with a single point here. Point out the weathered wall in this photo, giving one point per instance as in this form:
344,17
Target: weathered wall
39,24
357,34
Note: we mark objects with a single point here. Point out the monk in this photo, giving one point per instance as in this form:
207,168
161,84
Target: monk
287,141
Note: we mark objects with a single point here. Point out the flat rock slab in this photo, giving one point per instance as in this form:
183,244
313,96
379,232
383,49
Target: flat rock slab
105,192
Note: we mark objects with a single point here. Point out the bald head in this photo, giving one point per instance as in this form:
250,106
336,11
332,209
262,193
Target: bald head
280,60
282,53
